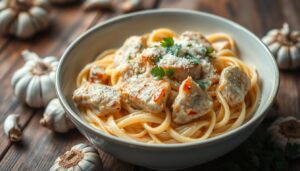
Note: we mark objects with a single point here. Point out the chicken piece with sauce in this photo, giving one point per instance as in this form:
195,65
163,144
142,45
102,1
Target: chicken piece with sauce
131,47
97,75
234,85
146,93
100,99
191,102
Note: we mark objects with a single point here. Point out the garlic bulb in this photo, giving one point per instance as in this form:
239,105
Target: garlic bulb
285,46
55,117
81,157
23,18
285,133
97,4
12,129
34,82
127,5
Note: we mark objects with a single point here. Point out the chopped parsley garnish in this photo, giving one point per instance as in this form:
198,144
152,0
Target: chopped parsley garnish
170,73
156,59
167,42
203,83
193,59
129,57
189,45
209,51
174,49
158,72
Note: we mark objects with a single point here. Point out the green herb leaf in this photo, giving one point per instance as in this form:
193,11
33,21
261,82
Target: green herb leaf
193,59
174,49
209,50
129,57
203,84
170,73
158,72
189,45
167,42
156,59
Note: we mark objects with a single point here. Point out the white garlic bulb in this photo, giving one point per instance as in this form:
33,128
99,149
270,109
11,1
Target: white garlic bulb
81,157
55,117
285,133
23,18
97,4
11,128
34,83
285,46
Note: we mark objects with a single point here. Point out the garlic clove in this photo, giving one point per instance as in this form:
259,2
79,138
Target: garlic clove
295,56
283,59
20,88
18,75
39,16
126,6
47,89
55,118
274,47
268,39
12,129
25,27
33,93
97,4
273,32
6,17
2,5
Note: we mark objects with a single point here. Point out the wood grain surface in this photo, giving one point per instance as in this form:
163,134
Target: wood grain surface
40,147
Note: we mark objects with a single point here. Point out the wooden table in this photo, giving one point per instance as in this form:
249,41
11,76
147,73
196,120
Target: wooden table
40,147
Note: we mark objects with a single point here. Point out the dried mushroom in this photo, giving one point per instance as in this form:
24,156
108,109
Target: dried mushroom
285,46
34,83
81,157
23,18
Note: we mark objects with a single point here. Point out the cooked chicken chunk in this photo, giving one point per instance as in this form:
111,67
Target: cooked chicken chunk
132,46
101,99
234,85
98,75
191,102
182,67
147,94
196,37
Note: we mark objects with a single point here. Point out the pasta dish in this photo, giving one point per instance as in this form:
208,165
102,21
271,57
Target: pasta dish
164,88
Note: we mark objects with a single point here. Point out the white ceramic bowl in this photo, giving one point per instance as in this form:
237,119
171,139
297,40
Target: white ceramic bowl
112,33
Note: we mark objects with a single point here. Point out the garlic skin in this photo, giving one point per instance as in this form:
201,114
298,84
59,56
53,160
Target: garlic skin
23,18
34,83
81,157
55,118
285,46
12,129
285,131
126,6
97,4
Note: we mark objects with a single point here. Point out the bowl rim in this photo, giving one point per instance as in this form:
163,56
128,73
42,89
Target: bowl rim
115,139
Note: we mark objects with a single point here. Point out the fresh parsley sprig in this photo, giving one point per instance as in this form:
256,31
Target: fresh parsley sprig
159,72
167,42
203,84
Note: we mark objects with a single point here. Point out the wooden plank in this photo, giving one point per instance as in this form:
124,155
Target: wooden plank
10,60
